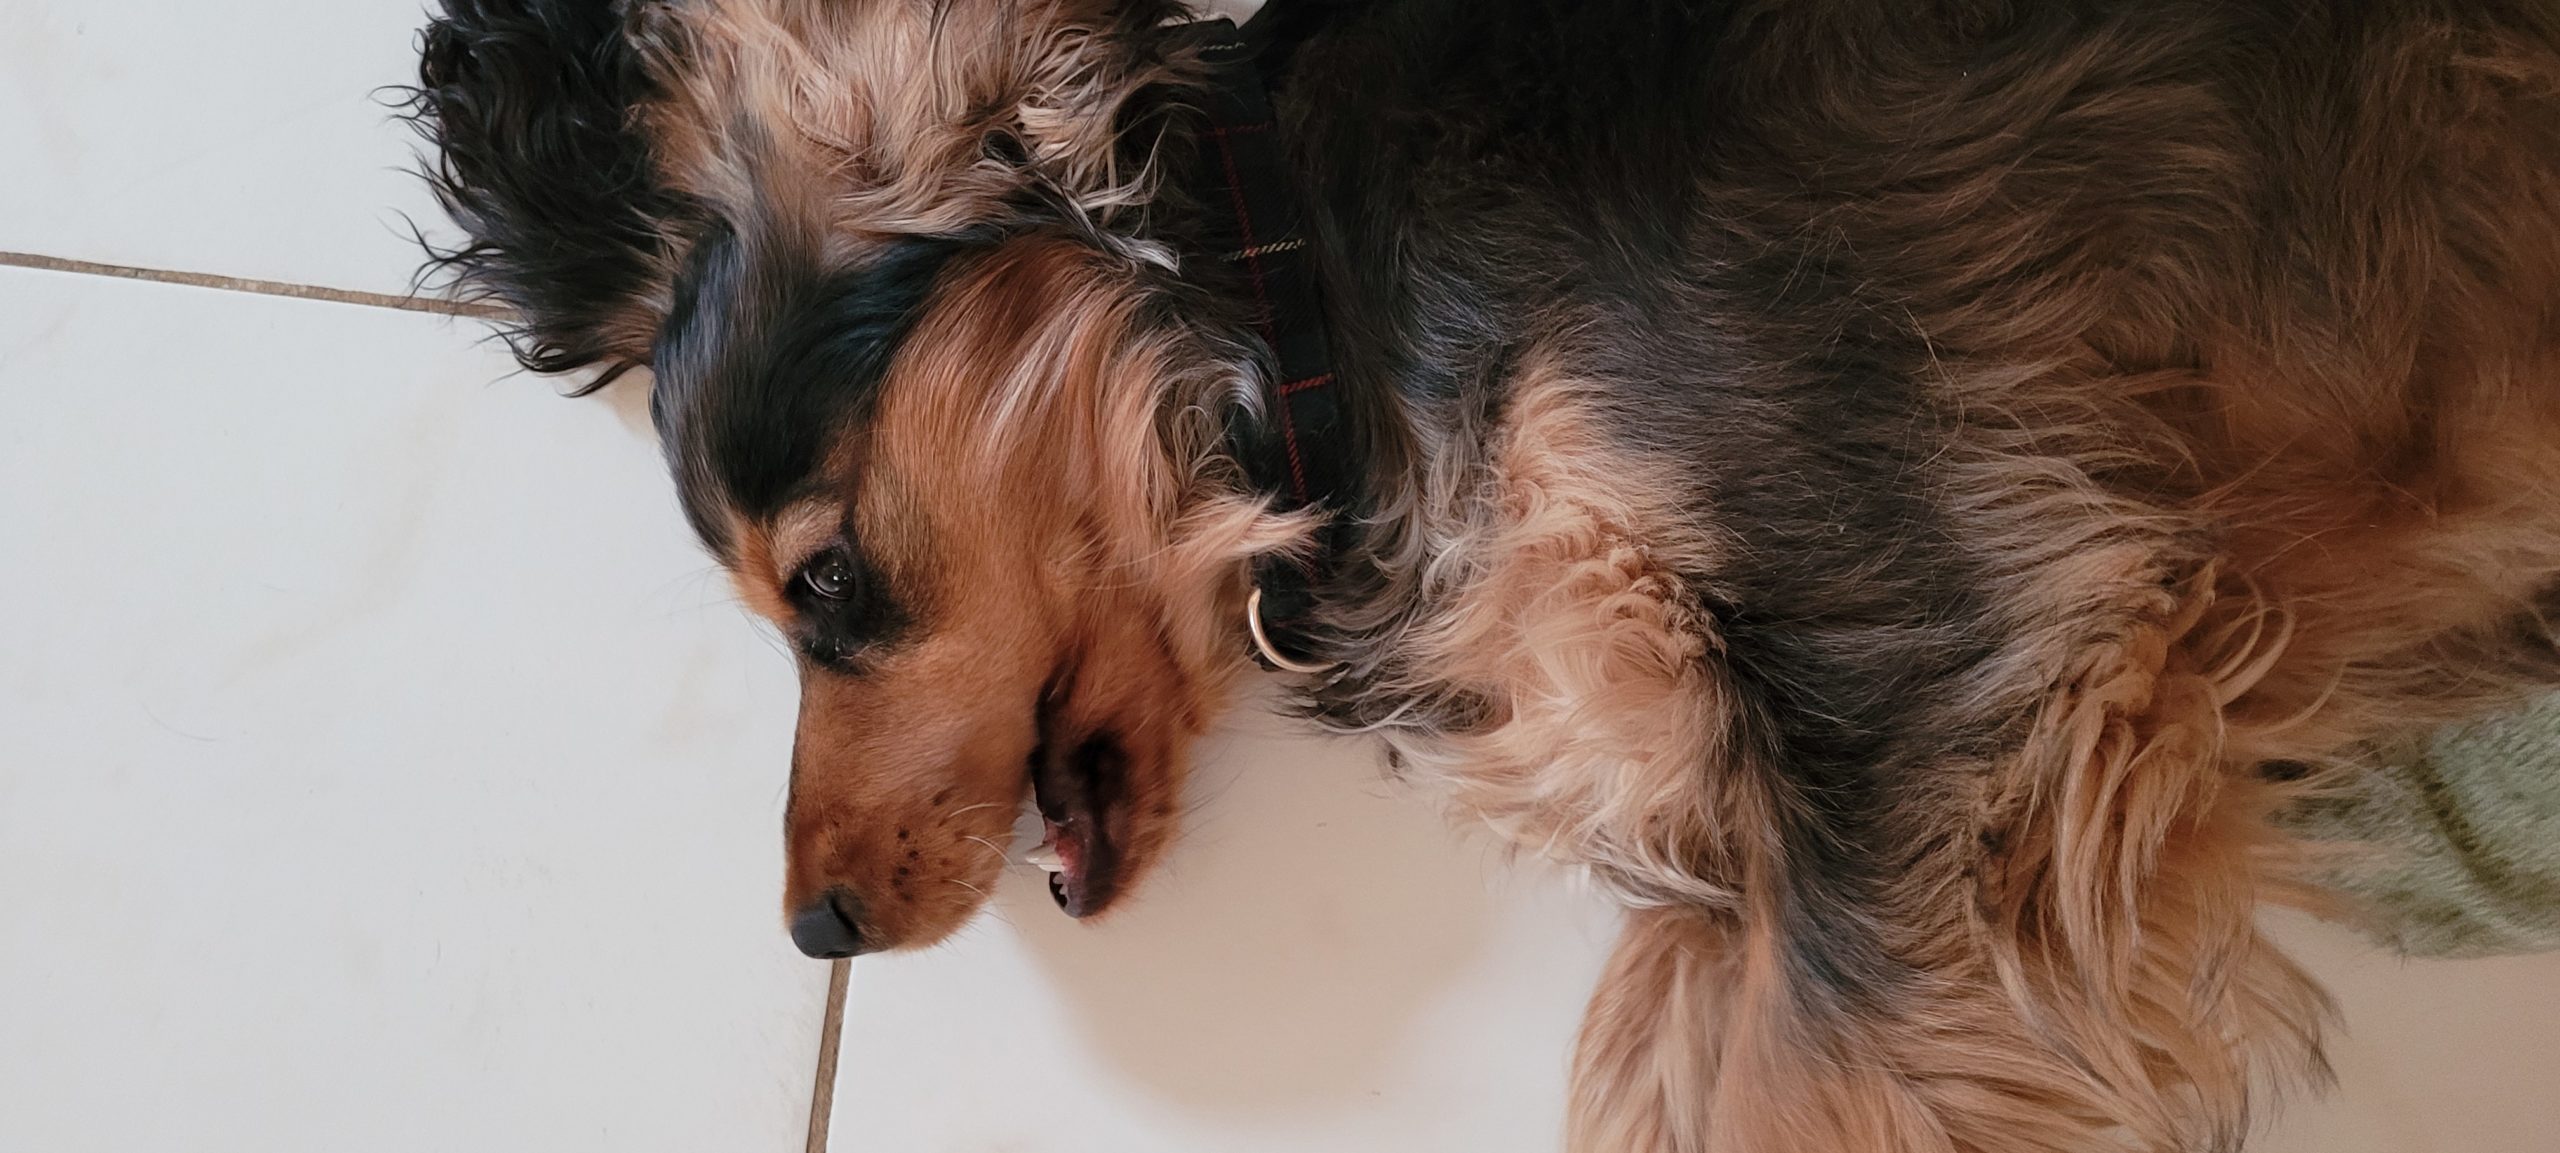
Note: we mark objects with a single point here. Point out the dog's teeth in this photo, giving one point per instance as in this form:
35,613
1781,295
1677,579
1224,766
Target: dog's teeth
1046,859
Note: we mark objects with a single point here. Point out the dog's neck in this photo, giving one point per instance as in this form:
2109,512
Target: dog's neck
1295,443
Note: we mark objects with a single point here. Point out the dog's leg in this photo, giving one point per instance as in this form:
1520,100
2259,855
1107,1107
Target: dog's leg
1646,1060
1697,1041
2079,970
2121,859
2046,948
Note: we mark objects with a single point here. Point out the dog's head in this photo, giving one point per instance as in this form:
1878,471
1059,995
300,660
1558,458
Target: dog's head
920,384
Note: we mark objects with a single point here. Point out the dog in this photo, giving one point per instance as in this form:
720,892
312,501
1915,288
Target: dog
1903,495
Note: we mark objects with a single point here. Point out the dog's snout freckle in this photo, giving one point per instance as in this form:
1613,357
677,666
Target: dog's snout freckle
831,927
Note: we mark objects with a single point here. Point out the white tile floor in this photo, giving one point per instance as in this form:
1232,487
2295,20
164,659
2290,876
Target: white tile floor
1323,969
380,761
384,769
242,138
1320,966
380,765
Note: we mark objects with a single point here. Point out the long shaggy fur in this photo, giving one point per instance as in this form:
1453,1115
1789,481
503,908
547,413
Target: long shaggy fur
1902,493
530,107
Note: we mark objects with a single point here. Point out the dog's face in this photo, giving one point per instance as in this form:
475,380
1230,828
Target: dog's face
964,555
915,401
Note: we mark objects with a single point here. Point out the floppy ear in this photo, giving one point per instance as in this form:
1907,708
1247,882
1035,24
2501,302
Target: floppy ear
530,105
848,121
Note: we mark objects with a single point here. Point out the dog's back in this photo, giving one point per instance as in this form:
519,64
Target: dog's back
1915,302
2054,417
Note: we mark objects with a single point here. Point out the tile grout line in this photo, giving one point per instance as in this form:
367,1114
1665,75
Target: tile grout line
822,1093
822,1097
429,304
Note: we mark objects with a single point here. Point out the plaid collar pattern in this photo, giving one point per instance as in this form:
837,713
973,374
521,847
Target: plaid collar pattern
1257,224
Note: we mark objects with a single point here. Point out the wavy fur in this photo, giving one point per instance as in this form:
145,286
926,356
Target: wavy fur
1901,493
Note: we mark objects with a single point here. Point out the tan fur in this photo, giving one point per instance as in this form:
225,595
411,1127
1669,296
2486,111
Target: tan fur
858,119
2372,508
1033,510
769,556
1563,622
2232,523
838,124
1601,745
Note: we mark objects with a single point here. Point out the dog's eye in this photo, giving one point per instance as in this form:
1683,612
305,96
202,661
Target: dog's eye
829,576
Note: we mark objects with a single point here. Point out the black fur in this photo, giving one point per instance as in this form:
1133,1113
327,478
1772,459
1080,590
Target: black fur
1545,175
529,106
767,357
761,353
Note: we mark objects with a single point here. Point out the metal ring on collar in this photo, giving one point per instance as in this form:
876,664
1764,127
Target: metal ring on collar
1262,640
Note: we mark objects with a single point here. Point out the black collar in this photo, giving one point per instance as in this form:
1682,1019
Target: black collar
1295,447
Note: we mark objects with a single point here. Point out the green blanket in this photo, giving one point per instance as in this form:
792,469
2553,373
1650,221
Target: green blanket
2466,837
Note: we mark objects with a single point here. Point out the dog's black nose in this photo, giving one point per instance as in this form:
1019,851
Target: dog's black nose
830,927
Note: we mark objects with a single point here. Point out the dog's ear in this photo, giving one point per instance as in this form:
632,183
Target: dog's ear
1088,97
852,121
531,106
